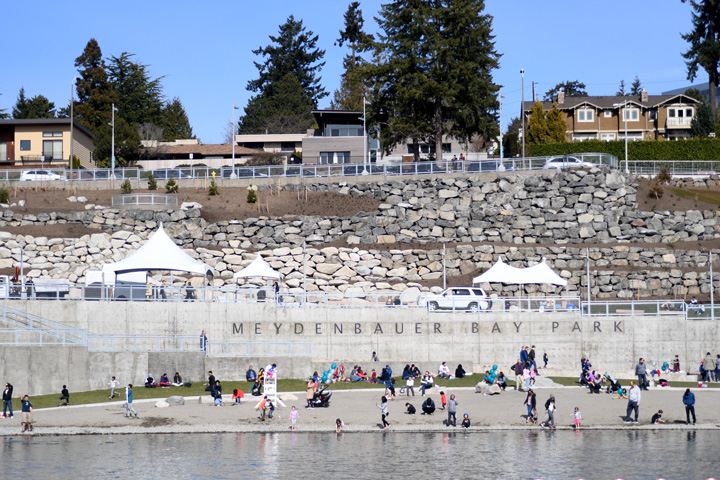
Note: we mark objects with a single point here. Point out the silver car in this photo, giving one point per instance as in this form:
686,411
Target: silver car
40,175
566,161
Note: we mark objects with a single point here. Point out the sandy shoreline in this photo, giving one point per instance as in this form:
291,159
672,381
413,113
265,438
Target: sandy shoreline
357,409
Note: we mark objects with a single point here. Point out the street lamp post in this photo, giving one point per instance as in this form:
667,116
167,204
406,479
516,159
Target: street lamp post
232,139
365,139
500,97
112,147
625,118
522,111
72,119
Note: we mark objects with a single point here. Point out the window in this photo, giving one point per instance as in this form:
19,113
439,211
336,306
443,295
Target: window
676,112
52,150
581,137
652,114
287,146
254,145
631,114
334,157
632,137
52,134
428,148
24,145
607,137
3,151
689,112
607,113
343,130
586,115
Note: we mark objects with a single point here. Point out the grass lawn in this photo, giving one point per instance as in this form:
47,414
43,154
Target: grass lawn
287,385
573,381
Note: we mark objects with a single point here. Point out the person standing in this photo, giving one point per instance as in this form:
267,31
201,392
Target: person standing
641,372
689,402
524,355
383,406
709,366
276,291
129,410
578,418
452,411
27,412
410,385
7,400
518,369
203,342
113,385
531,357
64,395
550,410
293,418
531,402
310,392
633,402
676,364
545,359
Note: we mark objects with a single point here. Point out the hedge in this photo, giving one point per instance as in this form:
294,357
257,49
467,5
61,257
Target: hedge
690,149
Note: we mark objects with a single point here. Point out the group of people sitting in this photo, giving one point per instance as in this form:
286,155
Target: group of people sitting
164,381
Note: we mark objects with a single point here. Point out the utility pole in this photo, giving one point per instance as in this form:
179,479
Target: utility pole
500,97
112,160
522,111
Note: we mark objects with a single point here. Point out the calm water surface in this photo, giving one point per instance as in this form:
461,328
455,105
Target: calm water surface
506,455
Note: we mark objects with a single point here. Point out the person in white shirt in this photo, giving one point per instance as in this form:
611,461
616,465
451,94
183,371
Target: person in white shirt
444,371
113,385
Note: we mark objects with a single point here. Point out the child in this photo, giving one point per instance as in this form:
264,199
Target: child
262,407
466,421
373,377
410,410
338,425
443,400
410,385
533,373
545,359
293,418
26,414
657,418
270,407
237,395
578,417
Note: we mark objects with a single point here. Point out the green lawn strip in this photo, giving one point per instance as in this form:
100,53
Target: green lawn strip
708,196
284,385
573,381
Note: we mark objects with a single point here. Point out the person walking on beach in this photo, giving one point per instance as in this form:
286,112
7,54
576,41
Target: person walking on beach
113,385
641,372
531,402
7,400
129,410
689,402
452,411
518,369
339,426
578,417
310,392
633,402
27,414
531,358
293,418
383,406
550,410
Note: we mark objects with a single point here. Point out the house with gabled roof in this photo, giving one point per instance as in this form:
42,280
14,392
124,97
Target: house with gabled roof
649,117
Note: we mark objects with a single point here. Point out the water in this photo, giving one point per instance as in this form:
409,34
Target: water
543,454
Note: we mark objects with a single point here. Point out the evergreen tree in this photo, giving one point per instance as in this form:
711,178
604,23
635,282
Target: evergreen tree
621,89
294,52
94,92
36,107
537,126
432,69
703,123
511,138
696,94
556,126
636,87
127,144
573,88
140,98
350,94
175,121
704,40
285,108
3,114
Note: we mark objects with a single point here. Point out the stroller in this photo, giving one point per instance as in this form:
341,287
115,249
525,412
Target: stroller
256,389
321,398
614,385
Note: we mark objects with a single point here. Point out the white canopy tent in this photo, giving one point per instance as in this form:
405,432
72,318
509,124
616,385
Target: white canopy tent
501,272
158,253
543,274
258,268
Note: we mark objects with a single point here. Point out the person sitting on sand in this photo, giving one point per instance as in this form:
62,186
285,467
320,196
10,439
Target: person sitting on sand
657,418
150,381
428,407
501,381
466,420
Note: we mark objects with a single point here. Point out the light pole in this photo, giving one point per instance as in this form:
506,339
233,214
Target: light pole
112,158
365,139
625,118
72,119
522,111
500,97
232,139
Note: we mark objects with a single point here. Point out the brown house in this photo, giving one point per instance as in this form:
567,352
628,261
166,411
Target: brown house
649,117
44,141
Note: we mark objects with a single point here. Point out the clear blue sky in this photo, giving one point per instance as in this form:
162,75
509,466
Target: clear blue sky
203,49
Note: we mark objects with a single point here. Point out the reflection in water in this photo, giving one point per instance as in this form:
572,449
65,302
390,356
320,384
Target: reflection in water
455,454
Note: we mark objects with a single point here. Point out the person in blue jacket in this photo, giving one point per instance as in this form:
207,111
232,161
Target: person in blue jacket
689,402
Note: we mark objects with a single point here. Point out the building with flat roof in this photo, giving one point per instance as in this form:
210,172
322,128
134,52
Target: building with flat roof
44,141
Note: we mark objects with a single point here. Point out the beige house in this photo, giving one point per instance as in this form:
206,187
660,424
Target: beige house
44,141
649,117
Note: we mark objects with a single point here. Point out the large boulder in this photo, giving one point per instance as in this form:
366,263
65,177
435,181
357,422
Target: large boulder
175,401
486,389
161,404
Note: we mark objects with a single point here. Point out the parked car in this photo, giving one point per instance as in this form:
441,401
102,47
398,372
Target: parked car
473,299
40,175
168,173
566,162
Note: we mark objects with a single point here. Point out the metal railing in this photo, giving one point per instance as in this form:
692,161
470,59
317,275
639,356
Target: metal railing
634,307
144,199
391,167
675,167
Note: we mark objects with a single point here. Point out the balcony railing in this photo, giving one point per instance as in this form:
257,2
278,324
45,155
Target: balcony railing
679,122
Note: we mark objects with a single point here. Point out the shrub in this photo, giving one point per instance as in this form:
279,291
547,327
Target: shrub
4,195
126,186
251,196
266,159
171,186
664,175
213,190
656,190
152,183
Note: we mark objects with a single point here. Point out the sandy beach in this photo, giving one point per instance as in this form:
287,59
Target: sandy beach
357,409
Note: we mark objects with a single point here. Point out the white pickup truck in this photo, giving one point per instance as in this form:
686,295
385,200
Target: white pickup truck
473,299
40,287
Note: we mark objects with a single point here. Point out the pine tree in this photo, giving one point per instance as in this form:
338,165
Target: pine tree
94,92
621,89
432,70
703,123
3,114
285,108
350,94
636,87
140,98
293,52
127,144
704,40
36,107
175,121
573,88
